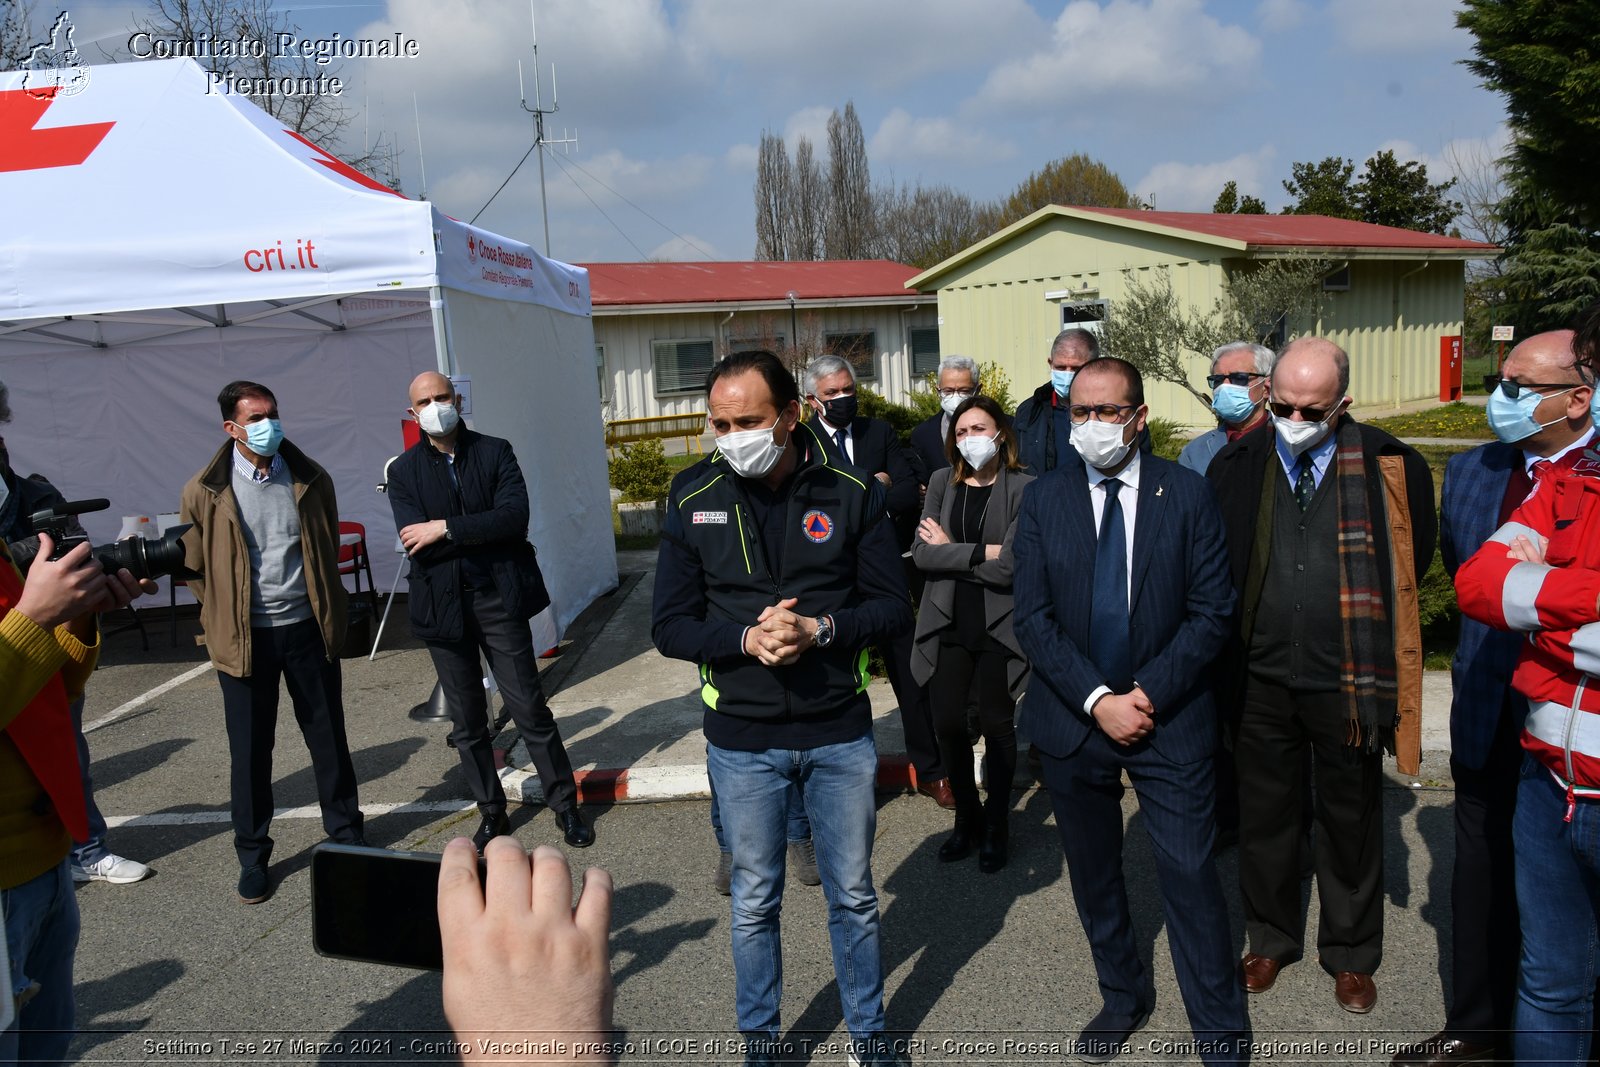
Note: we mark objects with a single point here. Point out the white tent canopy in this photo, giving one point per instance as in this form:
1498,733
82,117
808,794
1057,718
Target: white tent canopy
163,236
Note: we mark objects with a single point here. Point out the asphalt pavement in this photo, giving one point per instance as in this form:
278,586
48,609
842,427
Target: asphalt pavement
979,968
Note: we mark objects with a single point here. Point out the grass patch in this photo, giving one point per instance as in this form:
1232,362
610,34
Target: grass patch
1465,421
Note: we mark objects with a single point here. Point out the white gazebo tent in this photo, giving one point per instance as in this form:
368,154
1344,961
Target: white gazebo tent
162,236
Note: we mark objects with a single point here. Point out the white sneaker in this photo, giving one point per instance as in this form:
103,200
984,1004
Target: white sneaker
118,870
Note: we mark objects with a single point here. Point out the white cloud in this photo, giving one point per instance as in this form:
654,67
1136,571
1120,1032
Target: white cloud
1194,186
742,157
1276,16
848,43
1387,26
687,247
1457,157
902,137
809,122
1127,46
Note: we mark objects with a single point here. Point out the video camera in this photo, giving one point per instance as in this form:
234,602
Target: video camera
142,558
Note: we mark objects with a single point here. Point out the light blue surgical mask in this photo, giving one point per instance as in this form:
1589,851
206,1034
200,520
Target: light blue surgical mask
1512,420
1232,403
1594,405
1062,380
264,436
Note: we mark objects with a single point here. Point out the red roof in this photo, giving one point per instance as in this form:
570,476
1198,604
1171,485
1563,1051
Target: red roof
1294,231
752,282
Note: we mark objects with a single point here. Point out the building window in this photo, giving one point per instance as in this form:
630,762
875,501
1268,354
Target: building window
1338,281
1085,315
924,351
600,372
681,366
859,349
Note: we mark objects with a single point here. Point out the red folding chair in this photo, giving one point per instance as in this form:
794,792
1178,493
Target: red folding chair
354,558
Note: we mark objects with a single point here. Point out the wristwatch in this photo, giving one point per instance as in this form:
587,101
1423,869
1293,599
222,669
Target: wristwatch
824,635
447,535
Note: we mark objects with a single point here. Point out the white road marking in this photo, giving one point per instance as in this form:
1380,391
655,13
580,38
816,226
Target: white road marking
309,811
144,698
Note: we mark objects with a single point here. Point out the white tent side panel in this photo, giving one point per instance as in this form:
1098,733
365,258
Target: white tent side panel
532,370
134,423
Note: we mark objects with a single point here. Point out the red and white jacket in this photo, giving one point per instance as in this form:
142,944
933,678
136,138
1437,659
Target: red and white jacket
1557,604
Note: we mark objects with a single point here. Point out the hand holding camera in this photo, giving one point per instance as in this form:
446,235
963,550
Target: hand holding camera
76,585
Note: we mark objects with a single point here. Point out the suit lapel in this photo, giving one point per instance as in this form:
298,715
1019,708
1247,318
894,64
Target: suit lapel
1147,525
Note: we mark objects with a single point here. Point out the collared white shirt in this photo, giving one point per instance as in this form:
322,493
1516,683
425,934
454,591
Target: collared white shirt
1321,455
244,467
1530,458
1128,500
833,436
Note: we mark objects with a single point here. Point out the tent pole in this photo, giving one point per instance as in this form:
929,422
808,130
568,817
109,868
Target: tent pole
441,330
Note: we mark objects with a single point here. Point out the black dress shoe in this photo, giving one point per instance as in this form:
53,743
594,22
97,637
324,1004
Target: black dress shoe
493,826
1102,1040
1441,1050
960,842
994,847
577,833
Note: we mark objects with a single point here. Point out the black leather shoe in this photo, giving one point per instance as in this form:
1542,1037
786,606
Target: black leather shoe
993,849
960,842
577,832
1441,1050
493,826
1102,1040
254,884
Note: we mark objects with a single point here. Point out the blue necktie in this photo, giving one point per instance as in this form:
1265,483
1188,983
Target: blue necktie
1109,644
842,436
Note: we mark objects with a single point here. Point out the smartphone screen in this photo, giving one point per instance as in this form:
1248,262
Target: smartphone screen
377,906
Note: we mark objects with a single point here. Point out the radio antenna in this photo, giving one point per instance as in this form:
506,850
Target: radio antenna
539,111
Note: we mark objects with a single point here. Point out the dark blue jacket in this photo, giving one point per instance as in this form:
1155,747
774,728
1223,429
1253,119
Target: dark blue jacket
1182,599
488,521
1480,674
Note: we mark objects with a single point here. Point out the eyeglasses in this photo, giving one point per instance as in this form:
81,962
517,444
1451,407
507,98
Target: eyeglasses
963,393
1513,389
1241,378
1102,412
1284,411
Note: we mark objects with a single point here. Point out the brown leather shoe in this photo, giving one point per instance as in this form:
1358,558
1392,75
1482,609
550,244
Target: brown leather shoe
1442,1050
1258,972
1355,991
939,790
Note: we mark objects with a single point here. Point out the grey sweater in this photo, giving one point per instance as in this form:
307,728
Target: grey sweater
272,533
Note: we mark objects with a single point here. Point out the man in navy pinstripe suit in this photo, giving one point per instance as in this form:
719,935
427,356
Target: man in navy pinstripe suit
1123,598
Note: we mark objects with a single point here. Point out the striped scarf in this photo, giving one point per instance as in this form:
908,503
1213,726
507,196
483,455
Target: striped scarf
1367,671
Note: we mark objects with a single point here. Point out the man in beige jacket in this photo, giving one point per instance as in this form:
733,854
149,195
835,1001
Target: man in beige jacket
266,544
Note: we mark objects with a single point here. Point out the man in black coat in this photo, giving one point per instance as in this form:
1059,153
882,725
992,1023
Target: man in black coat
461,507
872,446
958,381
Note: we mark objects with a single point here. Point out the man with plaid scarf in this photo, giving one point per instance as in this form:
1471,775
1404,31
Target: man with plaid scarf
1330,527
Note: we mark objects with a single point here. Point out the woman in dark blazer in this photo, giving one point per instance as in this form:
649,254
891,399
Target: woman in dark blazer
963,545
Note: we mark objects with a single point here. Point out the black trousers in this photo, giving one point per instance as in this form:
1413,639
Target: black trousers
1485,941
916,717
1275,726
508,644
952,680
295,654
1177,802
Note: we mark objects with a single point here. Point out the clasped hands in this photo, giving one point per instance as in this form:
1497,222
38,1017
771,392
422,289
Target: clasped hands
779,635
1126,718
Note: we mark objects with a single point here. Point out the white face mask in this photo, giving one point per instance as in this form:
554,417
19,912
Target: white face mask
953,401
1297,437
751,453
978,450
437,419
1100,443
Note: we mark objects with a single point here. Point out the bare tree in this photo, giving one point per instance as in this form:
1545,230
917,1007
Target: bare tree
808,204
924,225
774,202
16,33
849,225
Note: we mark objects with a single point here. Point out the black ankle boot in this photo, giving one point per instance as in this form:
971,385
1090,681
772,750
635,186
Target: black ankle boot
993,849
959,844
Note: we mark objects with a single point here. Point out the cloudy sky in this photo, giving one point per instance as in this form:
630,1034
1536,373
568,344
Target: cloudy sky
668,98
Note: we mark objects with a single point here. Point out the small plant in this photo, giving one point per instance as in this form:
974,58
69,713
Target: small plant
1167,438
996,385
641,471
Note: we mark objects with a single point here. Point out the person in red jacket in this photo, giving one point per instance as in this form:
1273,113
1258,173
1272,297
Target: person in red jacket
1540,574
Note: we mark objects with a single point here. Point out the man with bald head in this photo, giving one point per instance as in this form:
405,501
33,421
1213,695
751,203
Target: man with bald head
461,507
1546,422
265,544
1330,527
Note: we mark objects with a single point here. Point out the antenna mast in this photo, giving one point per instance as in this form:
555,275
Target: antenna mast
539,111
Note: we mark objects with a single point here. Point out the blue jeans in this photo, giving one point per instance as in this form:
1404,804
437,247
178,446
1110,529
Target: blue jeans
1558,893
42,938
93,850
837,786
799,826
